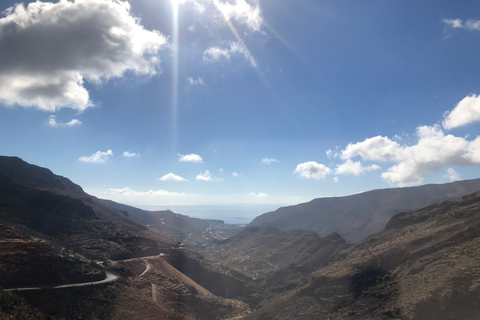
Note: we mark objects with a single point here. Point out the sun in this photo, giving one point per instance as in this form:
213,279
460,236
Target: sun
176,3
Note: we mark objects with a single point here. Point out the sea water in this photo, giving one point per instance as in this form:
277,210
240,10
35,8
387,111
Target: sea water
240,215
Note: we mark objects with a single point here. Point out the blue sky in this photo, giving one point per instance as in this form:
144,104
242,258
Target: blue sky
162,103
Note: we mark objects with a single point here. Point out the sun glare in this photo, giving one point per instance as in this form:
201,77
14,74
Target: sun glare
175,4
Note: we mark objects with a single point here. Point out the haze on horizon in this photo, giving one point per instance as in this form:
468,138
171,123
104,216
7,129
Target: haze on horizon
241,102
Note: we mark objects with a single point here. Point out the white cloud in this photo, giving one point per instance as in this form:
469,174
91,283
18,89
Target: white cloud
192,157
312,169
466,111
453,175
329,153
470,24
375,149
128,154
257,195
235,174
241,11
49,49
335,179
454,23
52,122
247,13
197,82
354,168
268,161
207,176
433,151
97,157
217,53
155,193
172,177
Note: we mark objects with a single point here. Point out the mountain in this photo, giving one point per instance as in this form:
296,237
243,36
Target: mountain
424,265
357,216
53,206
258,251
53,233
193,231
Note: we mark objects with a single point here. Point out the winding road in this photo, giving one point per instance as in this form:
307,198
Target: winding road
109,277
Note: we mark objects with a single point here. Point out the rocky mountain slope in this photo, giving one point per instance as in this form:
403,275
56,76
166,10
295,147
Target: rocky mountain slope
52,232
258,251
423,265
51,205
358,216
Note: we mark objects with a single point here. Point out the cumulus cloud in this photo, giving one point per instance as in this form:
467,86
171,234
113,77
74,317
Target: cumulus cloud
257,195
97,157
192,157
433,151
197,82
207,176
268,161
312,170
375,149
466,111
128,154
52,122
217,53
235,174
470,24
49,49
172,177
350,167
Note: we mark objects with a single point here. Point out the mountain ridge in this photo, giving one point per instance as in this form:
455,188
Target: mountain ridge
360,215
52,233
425,265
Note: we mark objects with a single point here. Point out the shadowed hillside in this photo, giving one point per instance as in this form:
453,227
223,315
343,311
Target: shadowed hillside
51,233
358,216
424,265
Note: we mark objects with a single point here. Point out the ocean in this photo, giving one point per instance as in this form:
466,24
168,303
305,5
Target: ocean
240,215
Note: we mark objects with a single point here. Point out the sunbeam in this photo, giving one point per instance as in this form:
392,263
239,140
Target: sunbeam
285,43
175,4
260,74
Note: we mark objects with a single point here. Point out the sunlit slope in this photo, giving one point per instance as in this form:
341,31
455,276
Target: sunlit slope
360,215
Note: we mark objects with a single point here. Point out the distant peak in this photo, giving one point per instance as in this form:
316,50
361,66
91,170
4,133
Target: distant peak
32,176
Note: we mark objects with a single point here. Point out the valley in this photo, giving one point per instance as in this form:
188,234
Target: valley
68,255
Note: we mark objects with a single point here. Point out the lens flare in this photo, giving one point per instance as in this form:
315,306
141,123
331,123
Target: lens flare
175,4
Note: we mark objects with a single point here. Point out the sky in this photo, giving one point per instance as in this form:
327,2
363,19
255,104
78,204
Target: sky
261,103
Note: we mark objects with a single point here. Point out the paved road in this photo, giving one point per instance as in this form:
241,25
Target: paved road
141,258
109,277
